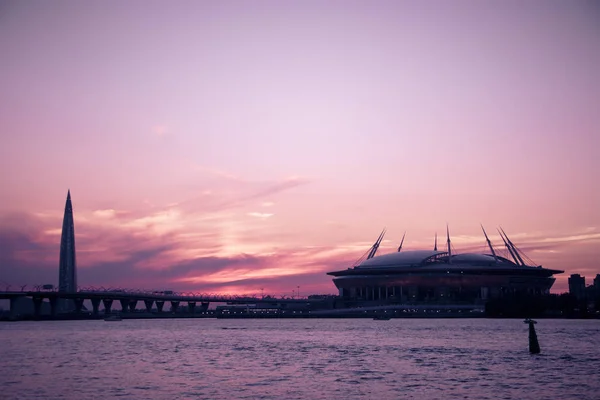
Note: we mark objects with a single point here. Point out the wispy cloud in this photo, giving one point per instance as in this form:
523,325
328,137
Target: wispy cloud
217,172
259,215
583,237
174,248
137,252
271,188
241,193
110,213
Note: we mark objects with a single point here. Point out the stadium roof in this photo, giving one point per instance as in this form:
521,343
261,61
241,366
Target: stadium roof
404,258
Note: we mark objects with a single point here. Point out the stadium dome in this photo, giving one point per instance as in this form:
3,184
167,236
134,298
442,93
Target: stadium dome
401,259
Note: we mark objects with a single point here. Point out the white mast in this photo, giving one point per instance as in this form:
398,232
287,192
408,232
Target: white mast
510,250
489,243
402,241
376,245
449,247
513,247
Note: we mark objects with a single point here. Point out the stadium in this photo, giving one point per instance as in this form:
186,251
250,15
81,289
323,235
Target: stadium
441,277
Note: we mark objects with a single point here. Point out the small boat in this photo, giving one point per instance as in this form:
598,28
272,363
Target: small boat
113,318
382,318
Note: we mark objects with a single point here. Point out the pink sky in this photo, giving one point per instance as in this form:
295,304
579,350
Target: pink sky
233,146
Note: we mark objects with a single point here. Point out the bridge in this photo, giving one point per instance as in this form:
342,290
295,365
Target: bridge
129,300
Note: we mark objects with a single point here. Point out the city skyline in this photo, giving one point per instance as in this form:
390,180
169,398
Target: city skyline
233,148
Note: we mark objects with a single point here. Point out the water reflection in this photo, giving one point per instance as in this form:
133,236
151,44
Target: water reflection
299,359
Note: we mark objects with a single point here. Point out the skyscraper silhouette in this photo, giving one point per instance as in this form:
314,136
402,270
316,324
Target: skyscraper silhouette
67,275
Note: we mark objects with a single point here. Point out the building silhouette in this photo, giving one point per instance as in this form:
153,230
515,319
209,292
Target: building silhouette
577,286
442,276
67,275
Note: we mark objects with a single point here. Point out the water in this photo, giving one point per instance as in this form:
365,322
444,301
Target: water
299,359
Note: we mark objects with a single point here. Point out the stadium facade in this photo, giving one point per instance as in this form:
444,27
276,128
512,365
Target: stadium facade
441,276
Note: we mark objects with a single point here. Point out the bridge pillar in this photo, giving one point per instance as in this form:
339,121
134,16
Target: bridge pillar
124,303
132,305
148,304
107,305
191,306
204,306
174,306
13,306
37,306
53,305
159,305
95,305
78,305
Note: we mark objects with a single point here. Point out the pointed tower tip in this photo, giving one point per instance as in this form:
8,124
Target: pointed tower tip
68,200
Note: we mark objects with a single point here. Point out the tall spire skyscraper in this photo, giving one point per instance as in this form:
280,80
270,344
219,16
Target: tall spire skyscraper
67,275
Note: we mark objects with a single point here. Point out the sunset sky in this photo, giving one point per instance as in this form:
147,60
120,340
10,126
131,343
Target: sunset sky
229,146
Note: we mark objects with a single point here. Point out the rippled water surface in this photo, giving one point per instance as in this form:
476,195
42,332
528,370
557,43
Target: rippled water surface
299,359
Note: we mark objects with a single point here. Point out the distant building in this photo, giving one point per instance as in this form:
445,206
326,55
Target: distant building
597,286
67,266
67,274
577,286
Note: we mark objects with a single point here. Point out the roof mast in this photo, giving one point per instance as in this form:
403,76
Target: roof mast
402,241
435,243
513,247
376,245
489,243
510,250
449,247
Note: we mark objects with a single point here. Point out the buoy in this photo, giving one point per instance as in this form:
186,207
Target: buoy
534,346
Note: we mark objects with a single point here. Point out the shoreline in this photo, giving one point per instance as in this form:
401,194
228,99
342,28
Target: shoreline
290,316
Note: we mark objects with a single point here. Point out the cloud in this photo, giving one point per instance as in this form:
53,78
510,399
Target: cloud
238,193
118,253
259,215
310,283
217,173
110,213
582,237
172,248
276,187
